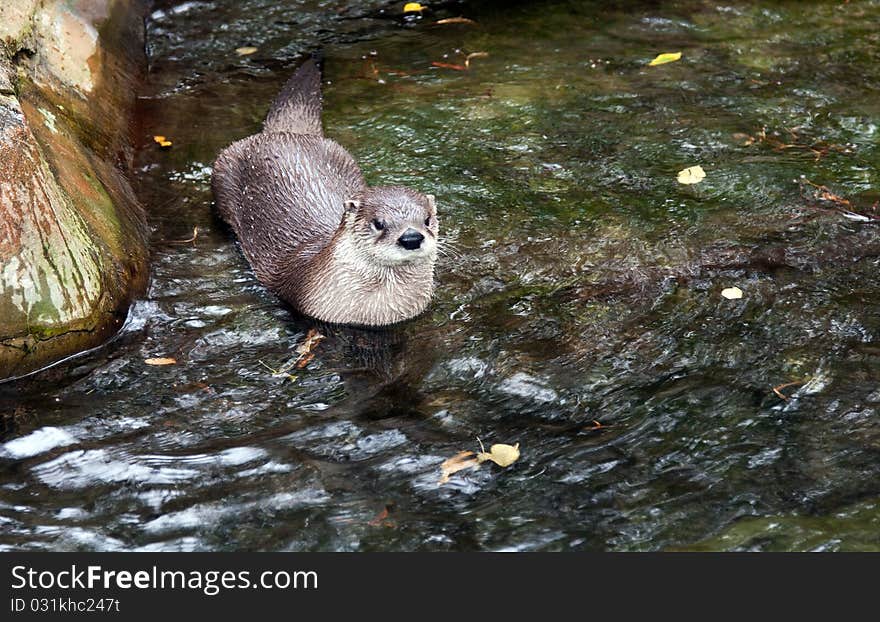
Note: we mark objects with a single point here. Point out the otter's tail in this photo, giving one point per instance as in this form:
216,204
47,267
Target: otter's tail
297,109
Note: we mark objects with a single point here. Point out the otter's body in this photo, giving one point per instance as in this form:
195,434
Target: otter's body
311,228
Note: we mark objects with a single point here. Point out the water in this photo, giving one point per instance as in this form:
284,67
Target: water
578,308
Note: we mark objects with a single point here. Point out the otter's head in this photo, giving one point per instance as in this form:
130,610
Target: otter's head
393,225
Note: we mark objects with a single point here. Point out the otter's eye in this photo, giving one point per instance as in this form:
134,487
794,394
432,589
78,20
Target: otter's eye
428,221
378,225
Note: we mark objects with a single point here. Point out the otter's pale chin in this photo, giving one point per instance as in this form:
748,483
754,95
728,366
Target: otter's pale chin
399,257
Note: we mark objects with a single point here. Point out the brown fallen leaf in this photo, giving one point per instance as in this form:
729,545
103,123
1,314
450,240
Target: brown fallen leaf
794,141
381,519
460,461
467,60
449,66
313,338
189,239
377,520
778,389
825,194
745,138
161,361
842,205
304,360
455,20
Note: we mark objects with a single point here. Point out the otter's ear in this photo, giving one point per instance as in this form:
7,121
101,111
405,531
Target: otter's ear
352,206
431,202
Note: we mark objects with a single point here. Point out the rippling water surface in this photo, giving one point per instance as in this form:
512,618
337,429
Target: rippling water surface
578,309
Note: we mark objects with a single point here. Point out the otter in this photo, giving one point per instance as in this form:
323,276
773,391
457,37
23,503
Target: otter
312,230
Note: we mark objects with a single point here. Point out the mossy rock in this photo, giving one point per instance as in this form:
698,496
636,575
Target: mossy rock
73,248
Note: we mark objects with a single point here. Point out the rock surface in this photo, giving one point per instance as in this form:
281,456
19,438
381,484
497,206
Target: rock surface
73,239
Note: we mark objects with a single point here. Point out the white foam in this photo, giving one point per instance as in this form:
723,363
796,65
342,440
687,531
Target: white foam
37,442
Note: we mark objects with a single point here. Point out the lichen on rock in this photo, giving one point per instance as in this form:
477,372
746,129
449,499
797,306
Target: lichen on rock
72,236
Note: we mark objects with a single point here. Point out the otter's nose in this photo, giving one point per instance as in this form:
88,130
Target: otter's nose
411,239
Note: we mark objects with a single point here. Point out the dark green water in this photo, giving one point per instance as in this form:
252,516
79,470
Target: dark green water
582,283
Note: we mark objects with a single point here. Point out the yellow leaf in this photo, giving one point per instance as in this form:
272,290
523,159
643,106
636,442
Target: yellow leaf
691,175
246,50
160,361
413,7
159,139
165,144
502,455
460,461
662,59
732,293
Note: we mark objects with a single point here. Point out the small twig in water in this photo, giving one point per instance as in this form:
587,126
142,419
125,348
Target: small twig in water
449,66
826,195
778,389
188,240
382,518
455,20
306,354
482,449
467,60
283,372
596,426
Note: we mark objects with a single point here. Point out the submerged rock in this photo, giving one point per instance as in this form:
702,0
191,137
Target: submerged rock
73,239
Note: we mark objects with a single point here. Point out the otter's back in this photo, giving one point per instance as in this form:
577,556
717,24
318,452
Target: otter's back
283,194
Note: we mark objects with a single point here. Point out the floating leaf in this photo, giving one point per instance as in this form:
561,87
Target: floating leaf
662,59
449,66
692,175
381,516
247,50
745,138
306,353
413,7
162,141
192,238
455,20
732,293
313,338
280,373
160,361
460,461
381,519
500,454
304,350
778,388
467,61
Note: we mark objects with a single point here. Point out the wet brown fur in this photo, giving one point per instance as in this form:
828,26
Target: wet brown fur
303,214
